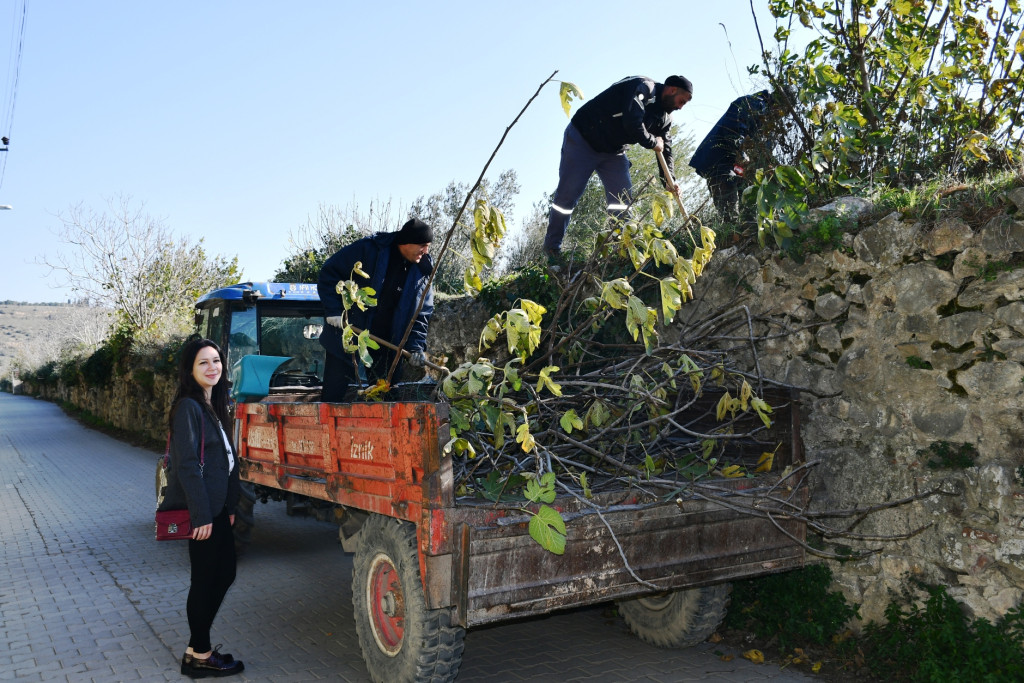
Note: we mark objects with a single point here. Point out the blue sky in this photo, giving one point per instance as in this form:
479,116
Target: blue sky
233,121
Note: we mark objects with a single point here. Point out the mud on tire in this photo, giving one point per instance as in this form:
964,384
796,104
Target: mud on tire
400,638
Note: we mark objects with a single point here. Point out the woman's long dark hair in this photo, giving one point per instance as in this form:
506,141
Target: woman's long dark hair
189,388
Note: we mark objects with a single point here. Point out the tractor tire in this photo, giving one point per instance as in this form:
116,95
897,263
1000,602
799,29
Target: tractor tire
402,641
245,519
677,619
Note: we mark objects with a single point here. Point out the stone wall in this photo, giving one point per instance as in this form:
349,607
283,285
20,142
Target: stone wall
125,404
911,335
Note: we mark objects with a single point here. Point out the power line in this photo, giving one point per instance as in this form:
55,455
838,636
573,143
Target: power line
12,93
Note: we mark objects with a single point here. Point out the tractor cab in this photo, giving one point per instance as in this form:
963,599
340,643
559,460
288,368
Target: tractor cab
272,319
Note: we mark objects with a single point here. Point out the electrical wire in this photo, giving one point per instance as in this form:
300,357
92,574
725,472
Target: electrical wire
14,72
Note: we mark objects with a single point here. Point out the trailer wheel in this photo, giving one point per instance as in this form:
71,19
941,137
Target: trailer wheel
245,519
679,618
400,638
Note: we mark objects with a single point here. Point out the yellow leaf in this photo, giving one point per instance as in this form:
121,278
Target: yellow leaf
566,92
723,406
816,667
756,656
764,463
727,658
732,471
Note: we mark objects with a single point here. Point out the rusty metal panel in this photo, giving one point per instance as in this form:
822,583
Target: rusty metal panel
439,587
510,575
371,456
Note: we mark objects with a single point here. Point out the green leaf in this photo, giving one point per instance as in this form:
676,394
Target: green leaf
585,485
597,414
570,420
542,490
460,446
548,528
791,177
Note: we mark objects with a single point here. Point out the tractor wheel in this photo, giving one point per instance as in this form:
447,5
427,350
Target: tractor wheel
244,519
679,618
402,641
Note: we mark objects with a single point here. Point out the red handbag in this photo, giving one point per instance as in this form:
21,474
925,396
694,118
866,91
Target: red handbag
174,525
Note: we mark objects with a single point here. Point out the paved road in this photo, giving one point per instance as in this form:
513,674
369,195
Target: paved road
87,594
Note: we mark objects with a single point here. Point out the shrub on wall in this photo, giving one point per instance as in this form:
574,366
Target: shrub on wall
98,369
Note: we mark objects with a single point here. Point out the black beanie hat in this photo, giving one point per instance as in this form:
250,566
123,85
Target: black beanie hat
680,82
414,231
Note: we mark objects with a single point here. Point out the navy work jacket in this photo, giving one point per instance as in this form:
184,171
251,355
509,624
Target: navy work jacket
374,252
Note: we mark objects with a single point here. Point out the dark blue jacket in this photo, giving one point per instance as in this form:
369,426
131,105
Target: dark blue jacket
626,113
717,152
374,252
195,436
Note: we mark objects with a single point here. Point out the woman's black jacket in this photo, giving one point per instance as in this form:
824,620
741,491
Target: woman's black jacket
205,493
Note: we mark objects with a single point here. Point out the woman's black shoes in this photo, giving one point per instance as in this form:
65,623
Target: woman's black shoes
215,665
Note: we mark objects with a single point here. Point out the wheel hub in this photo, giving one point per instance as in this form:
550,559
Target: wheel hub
386,603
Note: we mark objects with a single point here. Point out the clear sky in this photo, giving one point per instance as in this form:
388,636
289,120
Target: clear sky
234,121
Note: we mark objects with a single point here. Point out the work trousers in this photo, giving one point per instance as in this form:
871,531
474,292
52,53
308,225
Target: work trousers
339,374
213,572
579,162
726,190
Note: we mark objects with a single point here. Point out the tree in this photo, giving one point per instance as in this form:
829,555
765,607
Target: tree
439,211
129,261
890,91
331,229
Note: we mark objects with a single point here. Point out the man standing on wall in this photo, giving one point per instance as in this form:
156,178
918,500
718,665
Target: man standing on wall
398,266
720,159
633,111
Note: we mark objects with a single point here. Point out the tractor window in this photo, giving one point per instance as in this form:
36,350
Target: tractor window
243,335
294,333
210,324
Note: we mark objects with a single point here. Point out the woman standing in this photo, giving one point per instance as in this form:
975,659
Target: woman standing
204,478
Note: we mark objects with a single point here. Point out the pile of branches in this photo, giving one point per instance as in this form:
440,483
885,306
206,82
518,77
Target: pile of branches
597,391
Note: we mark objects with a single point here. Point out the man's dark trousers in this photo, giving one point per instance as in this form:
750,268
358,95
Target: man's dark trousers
579,162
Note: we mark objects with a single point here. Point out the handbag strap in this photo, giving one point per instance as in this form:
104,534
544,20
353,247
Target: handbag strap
202,446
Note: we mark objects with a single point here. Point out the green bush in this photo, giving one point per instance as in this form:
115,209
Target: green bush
68,373
935,642
795,607
98,369
532,282
45,374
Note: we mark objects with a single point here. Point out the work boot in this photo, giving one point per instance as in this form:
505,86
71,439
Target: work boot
556,262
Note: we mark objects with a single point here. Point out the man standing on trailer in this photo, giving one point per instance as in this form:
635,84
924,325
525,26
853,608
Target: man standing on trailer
398,267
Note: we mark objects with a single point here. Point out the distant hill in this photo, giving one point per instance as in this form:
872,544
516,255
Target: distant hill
37,331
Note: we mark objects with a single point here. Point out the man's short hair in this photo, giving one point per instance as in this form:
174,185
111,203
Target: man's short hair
680,82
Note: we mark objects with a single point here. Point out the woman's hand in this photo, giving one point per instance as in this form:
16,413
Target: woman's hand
202,533
231,518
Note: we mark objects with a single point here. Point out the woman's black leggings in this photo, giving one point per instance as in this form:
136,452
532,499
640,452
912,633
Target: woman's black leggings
213,572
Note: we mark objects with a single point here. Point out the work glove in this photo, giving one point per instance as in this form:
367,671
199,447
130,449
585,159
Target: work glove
335,321
417,359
